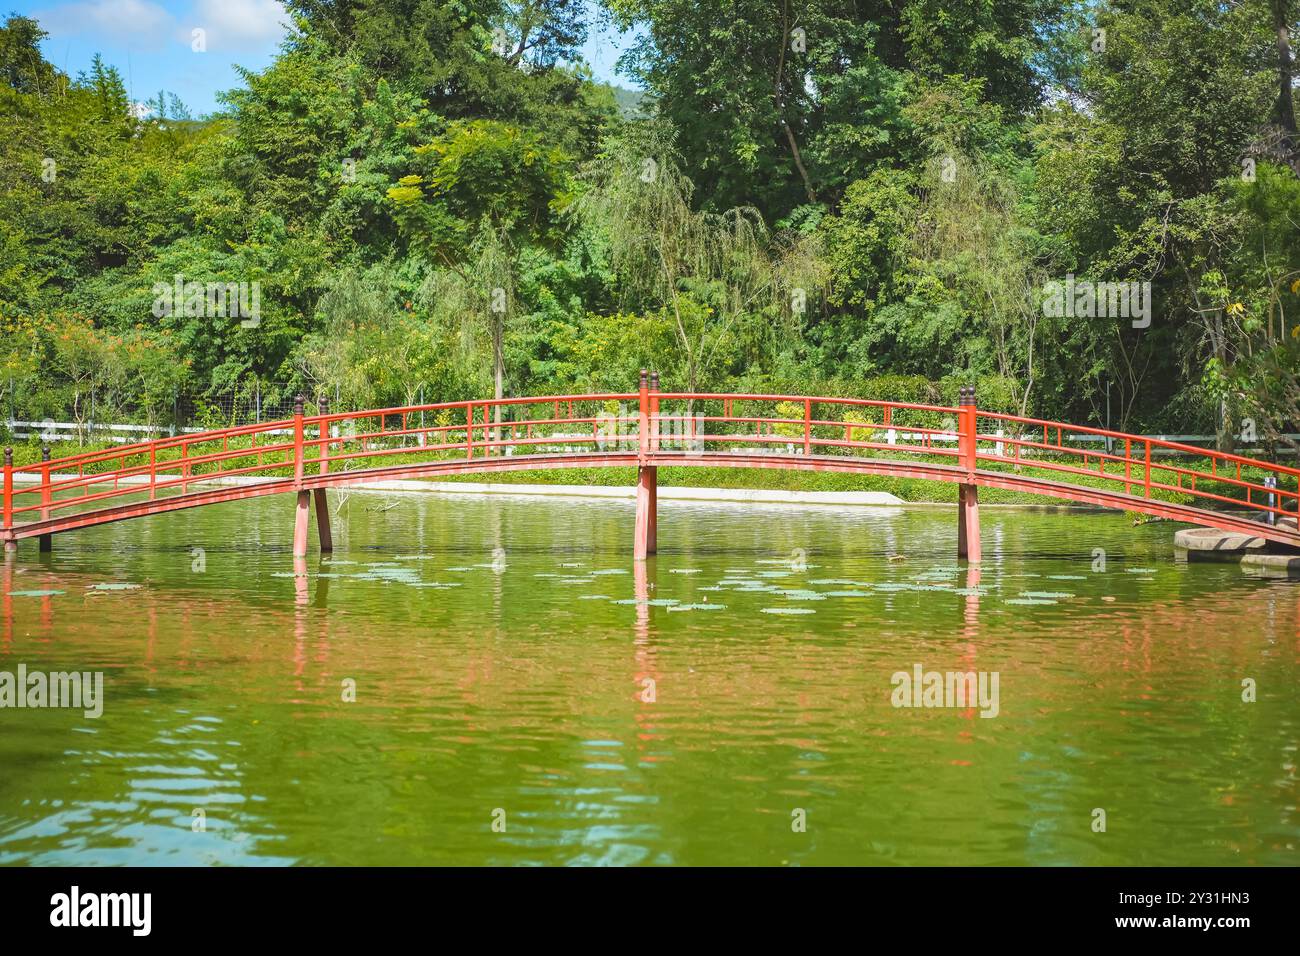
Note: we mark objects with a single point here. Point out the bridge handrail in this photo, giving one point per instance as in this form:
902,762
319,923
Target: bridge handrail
814,399
171,441
1192,450
194,438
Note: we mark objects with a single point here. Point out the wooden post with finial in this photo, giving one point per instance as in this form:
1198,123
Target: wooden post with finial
644,543
10,543
968,507
303,513
319,499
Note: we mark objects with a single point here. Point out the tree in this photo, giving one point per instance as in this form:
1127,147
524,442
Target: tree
785,102
486,190
90,360
721,277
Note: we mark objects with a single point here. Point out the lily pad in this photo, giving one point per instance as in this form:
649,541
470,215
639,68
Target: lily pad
801,594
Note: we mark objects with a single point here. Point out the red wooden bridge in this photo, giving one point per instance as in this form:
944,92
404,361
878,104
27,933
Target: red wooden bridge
307,454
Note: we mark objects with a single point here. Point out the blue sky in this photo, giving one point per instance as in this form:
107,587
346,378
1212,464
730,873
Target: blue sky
150,41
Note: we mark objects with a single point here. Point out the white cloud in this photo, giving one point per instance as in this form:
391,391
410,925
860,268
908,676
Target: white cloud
233,24
138,21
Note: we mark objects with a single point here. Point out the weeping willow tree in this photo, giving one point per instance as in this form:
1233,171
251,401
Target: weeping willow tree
328,358
968,234
480,295
722,279
484,192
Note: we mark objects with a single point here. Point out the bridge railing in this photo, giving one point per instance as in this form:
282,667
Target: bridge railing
152,469
801,424
648,421
1142,466
481,428
184,464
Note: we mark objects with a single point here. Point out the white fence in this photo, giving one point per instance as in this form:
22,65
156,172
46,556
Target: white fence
50,432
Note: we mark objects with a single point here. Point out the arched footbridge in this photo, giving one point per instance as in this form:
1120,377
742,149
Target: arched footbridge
309,453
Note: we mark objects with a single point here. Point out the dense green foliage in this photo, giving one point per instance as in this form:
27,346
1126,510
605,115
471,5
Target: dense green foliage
812,195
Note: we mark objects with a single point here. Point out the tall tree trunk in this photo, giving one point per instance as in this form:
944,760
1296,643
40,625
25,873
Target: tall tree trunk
1225,437
780,103
1285,98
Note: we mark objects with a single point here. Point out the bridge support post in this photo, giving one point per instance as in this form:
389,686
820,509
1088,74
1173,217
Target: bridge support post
646,480
300,524
46,540
968,505
10,544
321,504
646,508
968,523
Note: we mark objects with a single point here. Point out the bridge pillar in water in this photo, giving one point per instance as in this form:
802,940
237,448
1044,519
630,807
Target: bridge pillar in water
300,522
968,505
302,515
46,540
10,545
647,478
968,523
647,507
321,502
323,521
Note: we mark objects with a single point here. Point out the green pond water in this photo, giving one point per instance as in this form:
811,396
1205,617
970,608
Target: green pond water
523,695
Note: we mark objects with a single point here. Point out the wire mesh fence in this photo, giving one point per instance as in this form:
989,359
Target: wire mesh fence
96,417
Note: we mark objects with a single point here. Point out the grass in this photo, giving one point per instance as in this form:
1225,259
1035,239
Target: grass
764,479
